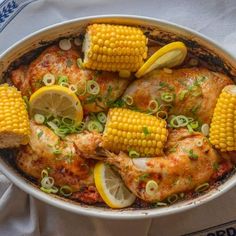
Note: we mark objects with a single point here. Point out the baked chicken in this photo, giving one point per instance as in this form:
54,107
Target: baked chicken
189,161
64,63
62,158
191,92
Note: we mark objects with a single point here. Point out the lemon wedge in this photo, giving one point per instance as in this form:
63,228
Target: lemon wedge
57,101
111,187
172,54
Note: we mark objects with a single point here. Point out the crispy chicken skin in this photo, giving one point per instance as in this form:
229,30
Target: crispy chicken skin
64,63
195,91
67,168
184,166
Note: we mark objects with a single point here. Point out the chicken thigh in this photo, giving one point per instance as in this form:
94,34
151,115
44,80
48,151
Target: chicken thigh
66,166
191,92
64,63
189,161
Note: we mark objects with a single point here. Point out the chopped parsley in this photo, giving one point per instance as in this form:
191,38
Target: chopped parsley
146,131
57,152
39,134
144,176
69,63
215,166
192,155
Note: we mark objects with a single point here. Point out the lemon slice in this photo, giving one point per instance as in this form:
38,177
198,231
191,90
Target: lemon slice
111,187
172,54
57,101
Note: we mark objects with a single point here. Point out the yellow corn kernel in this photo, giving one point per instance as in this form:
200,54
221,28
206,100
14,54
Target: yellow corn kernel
14,122
223,129
134,132
114,48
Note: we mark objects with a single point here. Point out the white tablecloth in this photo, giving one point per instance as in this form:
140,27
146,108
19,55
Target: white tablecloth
21,214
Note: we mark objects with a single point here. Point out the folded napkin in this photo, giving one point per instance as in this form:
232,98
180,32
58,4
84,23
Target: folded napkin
21,214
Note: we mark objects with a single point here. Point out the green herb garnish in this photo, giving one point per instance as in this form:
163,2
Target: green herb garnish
146,131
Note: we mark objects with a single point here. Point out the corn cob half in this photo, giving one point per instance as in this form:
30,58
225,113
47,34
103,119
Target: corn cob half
223,125
14,122
128,130
114,48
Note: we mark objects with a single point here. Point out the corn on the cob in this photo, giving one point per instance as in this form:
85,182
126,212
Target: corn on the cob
114,48
128,130
14,122
223,125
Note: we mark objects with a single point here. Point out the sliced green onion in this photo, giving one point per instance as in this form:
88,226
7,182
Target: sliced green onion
56,121
64,84
57,152
151,187
153,106
52,125
202,188
80,127
92,87
80,63
44,173
190,129
162,115
161,204
205,129
128,100
26,100
73,88
39,119
182,94
167,97
194,124
133,154
199,143
53,189
102,117
94,126
179,121
49,79
47,182
67,121
65,44
172,199
62,79
65,191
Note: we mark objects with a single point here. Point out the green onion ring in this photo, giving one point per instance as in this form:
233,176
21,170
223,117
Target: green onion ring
179,121
93,125
202,188
153,106
52,125
62,79
162,115
173,198
167,97
133,154
128,100
102,117
44,173
47,182
53,189
73,88
92,87
67,121
65,191
39,119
